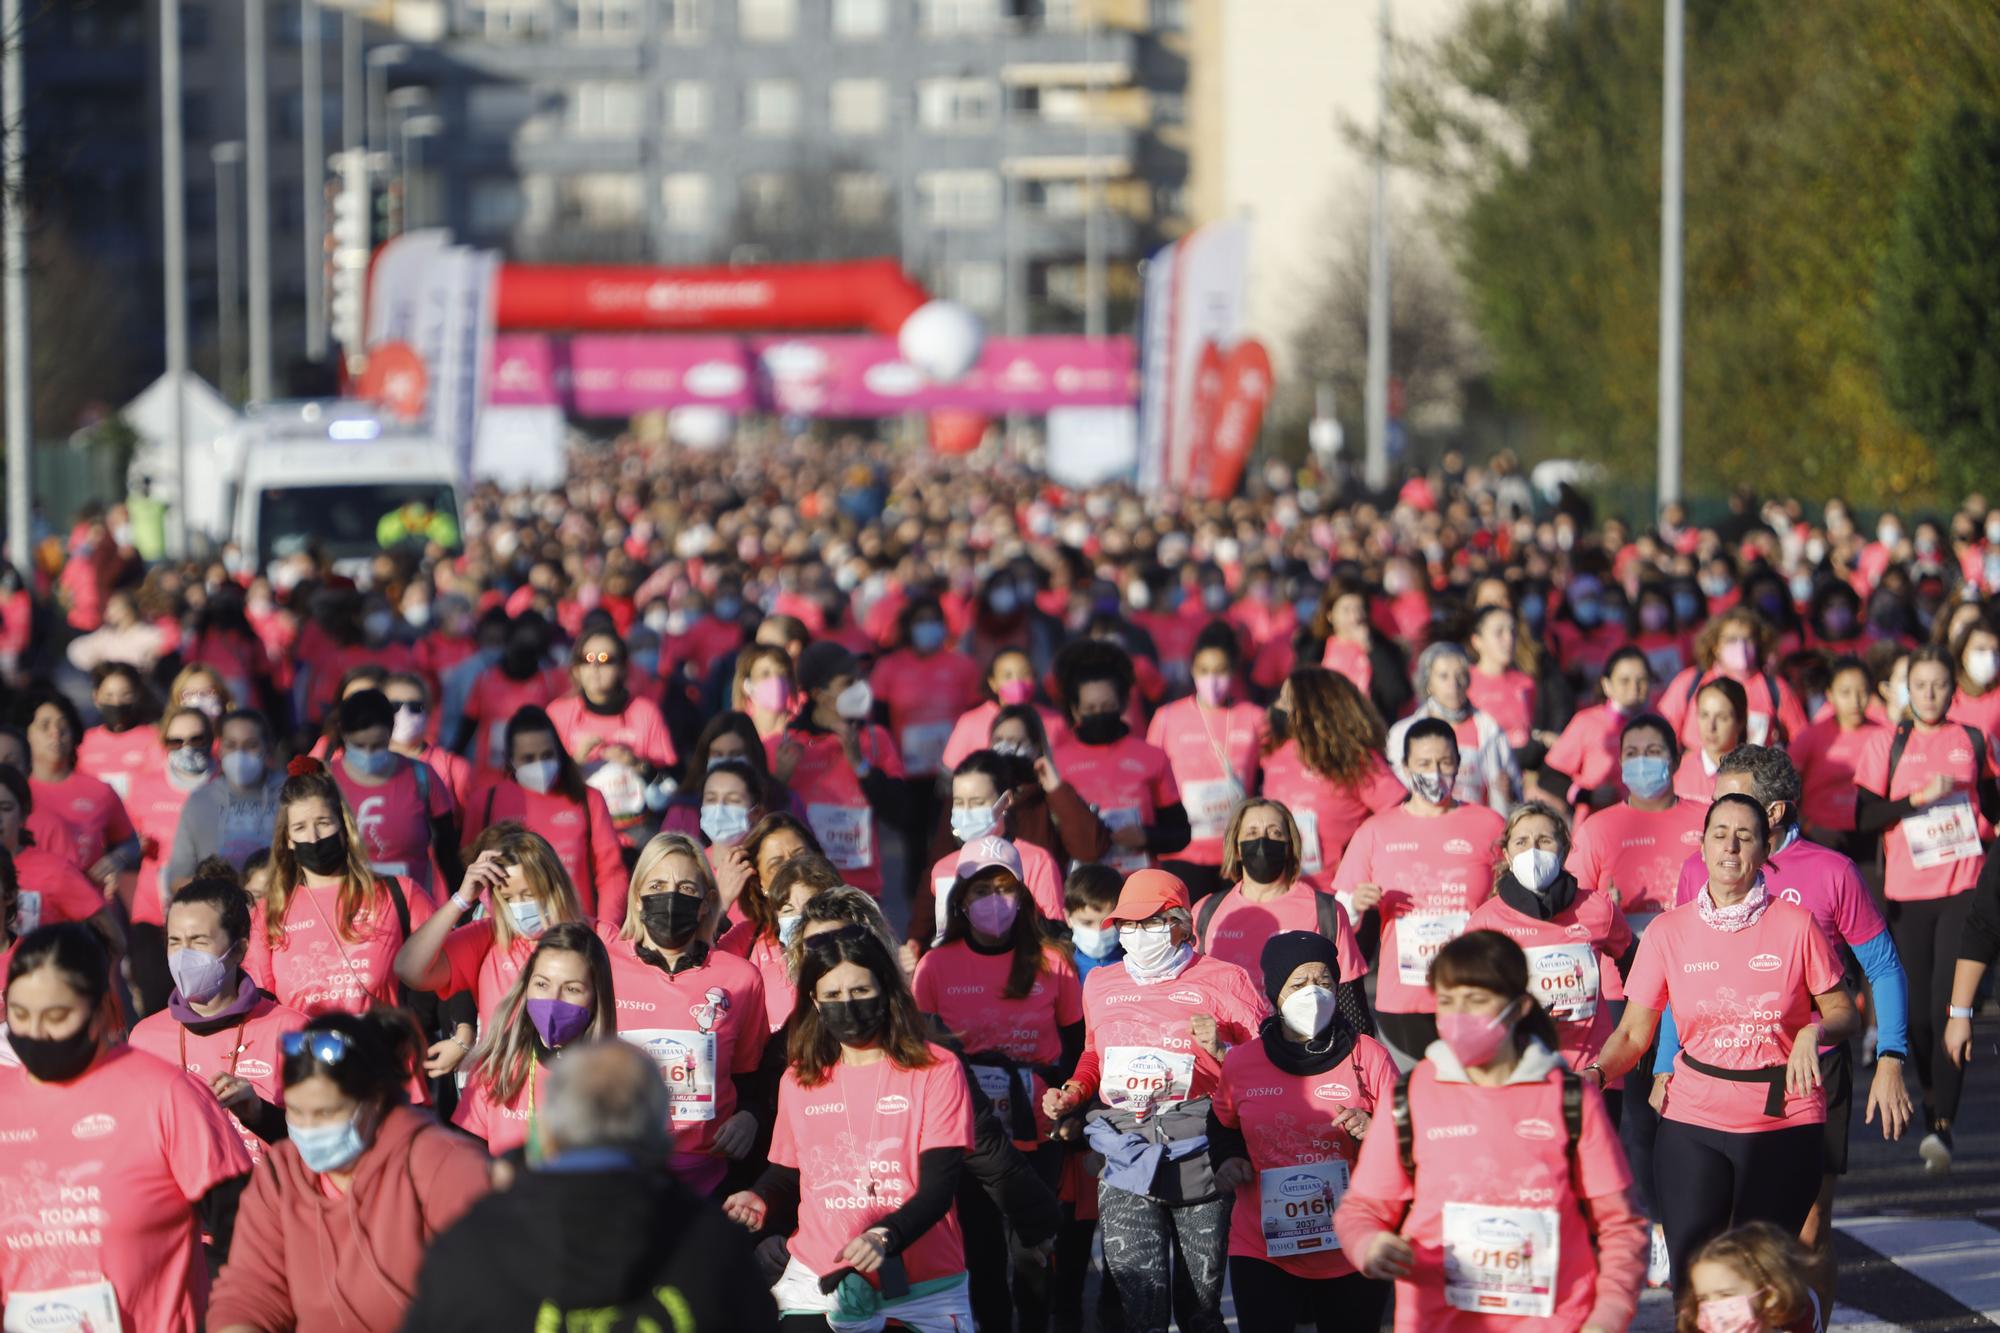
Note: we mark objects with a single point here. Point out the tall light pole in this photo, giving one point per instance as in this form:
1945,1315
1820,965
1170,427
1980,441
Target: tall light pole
1093,202
352,97
14,255
257,195
415,128
379,61
173,252
1670,253
312,173
226,157
1375,471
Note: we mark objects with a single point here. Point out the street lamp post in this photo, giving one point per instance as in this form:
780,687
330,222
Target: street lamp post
312,173
1671,147
226,157
173,253
257,194
379,60
14,254
1375,469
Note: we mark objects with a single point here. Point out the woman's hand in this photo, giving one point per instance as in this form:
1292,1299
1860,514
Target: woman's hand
1957,1041
484,875
734,873
1388,1256
1059,1102
444,1058
1206,1035
865,1253
1802,1070
1355,1121
1045,773
745,1209
1132,837
584,746
1365,896
786,761
1888,1092
1657,1098
107,869
230,1090
1936,789
907,958
1235,1173
736,1137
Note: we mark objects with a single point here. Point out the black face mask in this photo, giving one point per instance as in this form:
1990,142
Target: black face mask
1281,722
1101,729
855,1022
56,1059
118,718
1264,858
324,857
671,918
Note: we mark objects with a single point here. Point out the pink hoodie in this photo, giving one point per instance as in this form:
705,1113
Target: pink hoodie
304,1258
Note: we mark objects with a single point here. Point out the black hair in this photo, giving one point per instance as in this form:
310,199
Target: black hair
527,720
1088,660
33,701
231,904
1652,722
1221,636
1429,729
1092,884
383,1051
1627,653
1750,803
364,710
73,949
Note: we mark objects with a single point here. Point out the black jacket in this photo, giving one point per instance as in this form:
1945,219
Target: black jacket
618,1242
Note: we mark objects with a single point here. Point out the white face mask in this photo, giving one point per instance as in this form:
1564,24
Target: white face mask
976,821
527,916
538,776
1147,946
1982,666
855,702
1534,869
725,823
1089,940
1307,1011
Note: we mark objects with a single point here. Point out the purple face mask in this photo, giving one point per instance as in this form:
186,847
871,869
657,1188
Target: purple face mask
992,915
558,1021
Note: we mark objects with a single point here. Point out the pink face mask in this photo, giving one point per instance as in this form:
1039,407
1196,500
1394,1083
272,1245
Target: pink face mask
1213,691
773,694
1014,692
1474,1038
1729,1314
1739,655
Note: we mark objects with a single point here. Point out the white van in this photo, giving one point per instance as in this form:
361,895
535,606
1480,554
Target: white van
325,475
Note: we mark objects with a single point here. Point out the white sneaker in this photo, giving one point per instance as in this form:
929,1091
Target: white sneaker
1868,1048
1936,1152
1659,1269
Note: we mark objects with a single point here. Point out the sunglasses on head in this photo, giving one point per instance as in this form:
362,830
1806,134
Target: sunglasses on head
329,1048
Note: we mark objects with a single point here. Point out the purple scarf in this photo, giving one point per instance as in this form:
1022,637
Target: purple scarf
246,999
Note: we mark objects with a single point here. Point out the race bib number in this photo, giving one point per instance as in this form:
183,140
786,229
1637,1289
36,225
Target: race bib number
1564,978
1500,1260
1124,859
1209,805
90,1308
1419,937
1310,862
27,911
624,790
847,832
1298,1203
1141,1078
122,784
1942,833
400,869
998,1085
923,747
687,1063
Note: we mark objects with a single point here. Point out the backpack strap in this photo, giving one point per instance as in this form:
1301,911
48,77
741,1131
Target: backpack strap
491,792
1326,908
1572,1111
1406,1130
1771,689
421,771
1205,913
1896,748
1980,753
395,887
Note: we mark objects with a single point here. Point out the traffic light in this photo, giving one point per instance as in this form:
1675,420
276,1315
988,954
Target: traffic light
348,246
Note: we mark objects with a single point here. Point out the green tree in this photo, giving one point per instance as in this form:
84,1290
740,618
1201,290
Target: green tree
1938,298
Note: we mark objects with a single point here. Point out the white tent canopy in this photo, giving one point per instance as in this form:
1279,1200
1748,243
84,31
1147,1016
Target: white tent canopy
212,448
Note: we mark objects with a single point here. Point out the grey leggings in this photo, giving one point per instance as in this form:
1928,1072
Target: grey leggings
1167,1259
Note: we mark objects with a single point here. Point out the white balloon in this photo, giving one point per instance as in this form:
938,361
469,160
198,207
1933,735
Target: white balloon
942,339
703,428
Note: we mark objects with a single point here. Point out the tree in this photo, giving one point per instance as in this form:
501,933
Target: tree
1938,297
80,332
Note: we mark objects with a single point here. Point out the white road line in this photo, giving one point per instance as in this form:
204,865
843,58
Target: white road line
1860,1321
1959,1257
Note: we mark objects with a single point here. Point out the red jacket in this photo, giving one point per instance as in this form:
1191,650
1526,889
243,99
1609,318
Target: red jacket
304,1259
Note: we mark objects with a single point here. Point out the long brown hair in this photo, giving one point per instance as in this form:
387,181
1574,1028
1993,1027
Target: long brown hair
755,903
505,1056
1026,939
519,845
1338,731
1781,1272
359,891
1232,837
1711,635
1489,960
813,1051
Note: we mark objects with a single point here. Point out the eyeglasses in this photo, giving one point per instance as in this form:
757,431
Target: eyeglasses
329,1048
410,706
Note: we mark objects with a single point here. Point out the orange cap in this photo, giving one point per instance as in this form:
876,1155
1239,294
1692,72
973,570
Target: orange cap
1147,893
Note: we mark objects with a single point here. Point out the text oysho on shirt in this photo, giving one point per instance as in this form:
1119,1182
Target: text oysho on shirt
1432,871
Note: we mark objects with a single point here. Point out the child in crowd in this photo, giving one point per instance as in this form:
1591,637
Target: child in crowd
1089,893
1752,1279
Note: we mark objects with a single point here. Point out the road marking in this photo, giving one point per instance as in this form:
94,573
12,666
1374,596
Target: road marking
1957,1256
1860,1321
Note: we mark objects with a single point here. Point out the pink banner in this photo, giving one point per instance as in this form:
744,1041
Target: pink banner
601,375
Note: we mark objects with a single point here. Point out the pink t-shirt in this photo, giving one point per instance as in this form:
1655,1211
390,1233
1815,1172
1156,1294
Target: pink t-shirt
856,1140
1127,783
1491,1151
583,837
114,757
1826,757
475,964
317,970
1288,1120
1131,1029
1433,872
89,809
1982,712
1947,749
1739,998
52,890
1214,754
836,804
503,1127
1327,812
394,818
1632,856
1568,957
249,1050
1765,726
1239,929
460,777
154,806
495,698
974,730
1694,779
768,957
703,1026
640,728
100,1180
1807,875
967,990
1350,660
925,696
1038,872
1509,699
1587,750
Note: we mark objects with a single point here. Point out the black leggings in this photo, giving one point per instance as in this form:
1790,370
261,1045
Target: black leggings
1927,936
997,1302
146,951
1706,1181
1270,1300
1407,1034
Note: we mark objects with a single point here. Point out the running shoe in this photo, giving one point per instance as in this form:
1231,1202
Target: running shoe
1936,1151
1659,1268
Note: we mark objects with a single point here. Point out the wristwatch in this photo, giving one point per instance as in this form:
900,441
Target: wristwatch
1958,1011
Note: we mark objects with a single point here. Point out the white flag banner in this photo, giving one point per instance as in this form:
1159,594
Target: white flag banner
1194,299
436,298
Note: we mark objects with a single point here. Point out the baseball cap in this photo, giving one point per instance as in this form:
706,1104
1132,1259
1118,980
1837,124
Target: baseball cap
986,853
1147,893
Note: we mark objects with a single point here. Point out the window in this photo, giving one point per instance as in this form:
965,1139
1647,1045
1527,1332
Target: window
499,110
510,19
861,198
959,18
959,198
768,198
857,20
1054,199
859,106
958,106
194,27
771,107
687,109
495,205
684,20
1063,15
684,199
606,107
194,115
604,199
976,283
767,20
608,20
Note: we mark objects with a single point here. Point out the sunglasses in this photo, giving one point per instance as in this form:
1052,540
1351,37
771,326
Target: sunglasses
186,742
598,659
328,1048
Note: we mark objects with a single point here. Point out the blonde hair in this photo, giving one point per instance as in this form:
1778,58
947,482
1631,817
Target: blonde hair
1783,1270
651,857
847,906
1232,860
1534,810
518,845
359,893
188,673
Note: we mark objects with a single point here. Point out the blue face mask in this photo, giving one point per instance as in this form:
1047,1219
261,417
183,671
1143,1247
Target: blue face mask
927,636
1532,610
1306,608
728,608
370,763
1646,776
1586,614
527,916
1686,606
329,1147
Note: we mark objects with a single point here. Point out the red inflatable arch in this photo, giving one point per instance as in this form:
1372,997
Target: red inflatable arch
873,294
